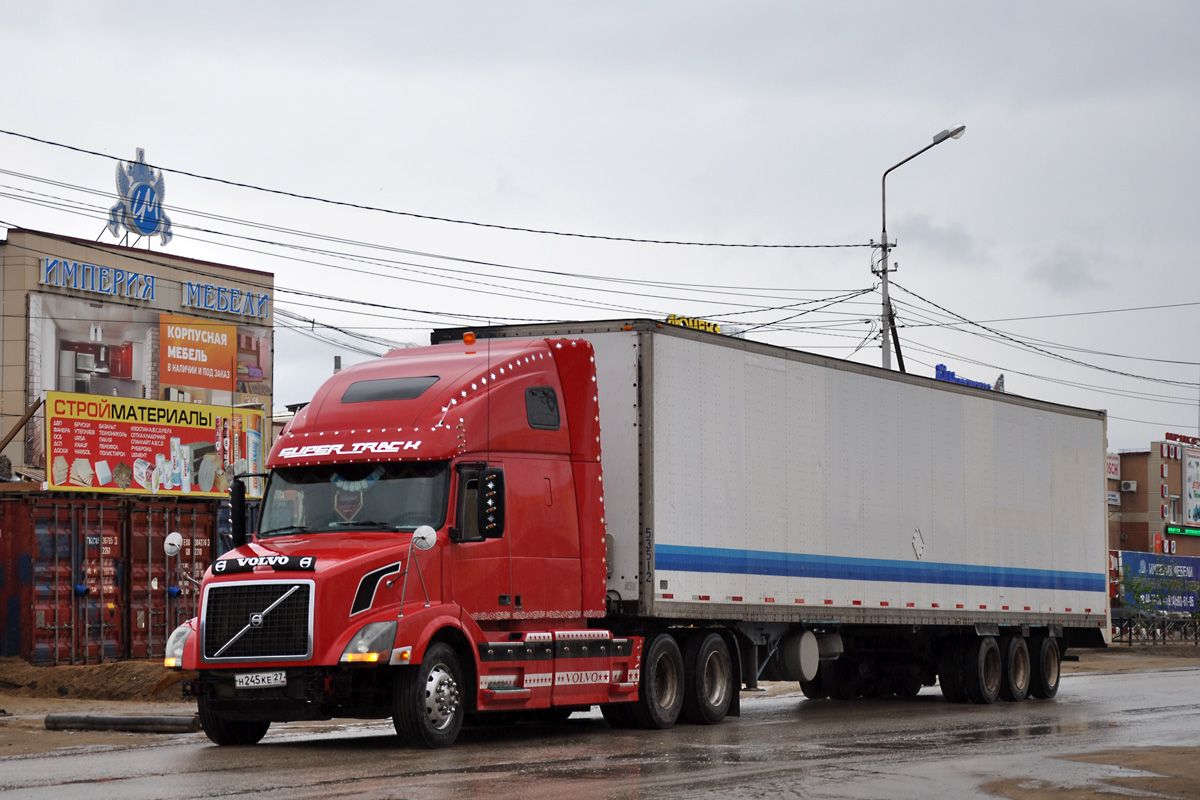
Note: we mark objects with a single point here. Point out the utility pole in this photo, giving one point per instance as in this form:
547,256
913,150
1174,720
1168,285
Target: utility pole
886,316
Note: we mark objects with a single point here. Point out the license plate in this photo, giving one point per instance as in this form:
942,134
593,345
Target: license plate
259,680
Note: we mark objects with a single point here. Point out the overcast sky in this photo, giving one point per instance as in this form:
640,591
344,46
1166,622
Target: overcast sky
1064,221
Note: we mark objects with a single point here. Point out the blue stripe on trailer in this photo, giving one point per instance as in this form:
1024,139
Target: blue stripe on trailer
793,565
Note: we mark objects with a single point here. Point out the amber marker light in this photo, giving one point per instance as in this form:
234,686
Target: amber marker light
360,658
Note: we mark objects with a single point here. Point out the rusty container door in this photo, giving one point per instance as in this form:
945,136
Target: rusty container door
14,573
164,592
85,579
77,568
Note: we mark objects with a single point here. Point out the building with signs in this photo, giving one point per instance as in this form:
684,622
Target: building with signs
133,386
165,347
1154,498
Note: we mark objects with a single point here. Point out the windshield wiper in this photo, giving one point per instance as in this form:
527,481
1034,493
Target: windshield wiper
366,523
285,529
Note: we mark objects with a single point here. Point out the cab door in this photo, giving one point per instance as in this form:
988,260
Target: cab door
480,559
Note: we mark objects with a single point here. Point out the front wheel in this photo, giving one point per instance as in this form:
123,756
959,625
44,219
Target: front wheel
427,707
225,731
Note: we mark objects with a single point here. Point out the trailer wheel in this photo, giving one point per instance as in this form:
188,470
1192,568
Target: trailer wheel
225,731
427,709
660,696
1014,652
815,689
708,679
950,671
982,669
841,678
1045,662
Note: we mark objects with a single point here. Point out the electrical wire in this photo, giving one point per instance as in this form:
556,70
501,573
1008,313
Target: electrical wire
430,217
1043,351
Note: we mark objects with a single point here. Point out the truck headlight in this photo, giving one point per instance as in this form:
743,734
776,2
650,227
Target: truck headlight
178,638
372,644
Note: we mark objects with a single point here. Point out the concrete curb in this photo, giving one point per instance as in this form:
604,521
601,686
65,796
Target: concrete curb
145,724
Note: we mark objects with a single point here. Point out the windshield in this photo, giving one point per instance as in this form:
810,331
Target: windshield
337,497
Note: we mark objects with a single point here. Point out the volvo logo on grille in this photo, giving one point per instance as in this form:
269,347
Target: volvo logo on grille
256,620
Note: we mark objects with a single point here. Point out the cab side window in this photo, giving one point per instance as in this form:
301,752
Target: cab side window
468,507
541,408
480,503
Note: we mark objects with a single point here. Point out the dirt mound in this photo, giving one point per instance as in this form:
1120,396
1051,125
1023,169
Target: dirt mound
119,680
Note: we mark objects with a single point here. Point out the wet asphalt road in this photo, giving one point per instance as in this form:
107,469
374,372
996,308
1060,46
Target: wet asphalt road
782,746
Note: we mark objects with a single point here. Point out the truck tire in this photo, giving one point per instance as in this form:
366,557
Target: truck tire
1045,660
225,731
950,671
982,669
1014,654
427,707
660,696
841,678
708,679
815,689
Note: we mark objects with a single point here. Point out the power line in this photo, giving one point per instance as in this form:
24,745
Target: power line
1041,350
423,269
430,217
957,325
1061,316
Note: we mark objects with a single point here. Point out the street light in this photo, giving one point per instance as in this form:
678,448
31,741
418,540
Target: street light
886,318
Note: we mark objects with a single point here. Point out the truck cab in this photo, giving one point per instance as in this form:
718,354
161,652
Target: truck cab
431,544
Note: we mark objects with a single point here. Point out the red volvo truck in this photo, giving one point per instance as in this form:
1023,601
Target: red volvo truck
646,518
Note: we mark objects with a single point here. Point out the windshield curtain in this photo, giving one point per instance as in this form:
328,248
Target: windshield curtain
337,497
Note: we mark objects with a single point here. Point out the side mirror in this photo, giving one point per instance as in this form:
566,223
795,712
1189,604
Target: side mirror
424,537
173,544
491,502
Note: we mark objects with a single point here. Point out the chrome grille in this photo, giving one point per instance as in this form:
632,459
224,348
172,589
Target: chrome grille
257,621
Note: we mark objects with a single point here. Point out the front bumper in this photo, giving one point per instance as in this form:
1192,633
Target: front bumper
311,693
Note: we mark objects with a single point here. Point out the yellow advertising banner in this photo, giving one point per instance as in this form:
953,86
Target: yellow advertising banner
197,352
113,444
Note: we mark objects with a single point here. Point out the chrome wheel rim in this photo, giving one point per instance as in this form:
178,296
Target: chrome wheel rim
441,697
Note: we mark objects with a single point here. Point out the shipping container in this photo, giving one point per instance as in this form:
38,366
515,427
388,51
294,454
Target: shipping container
84,578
